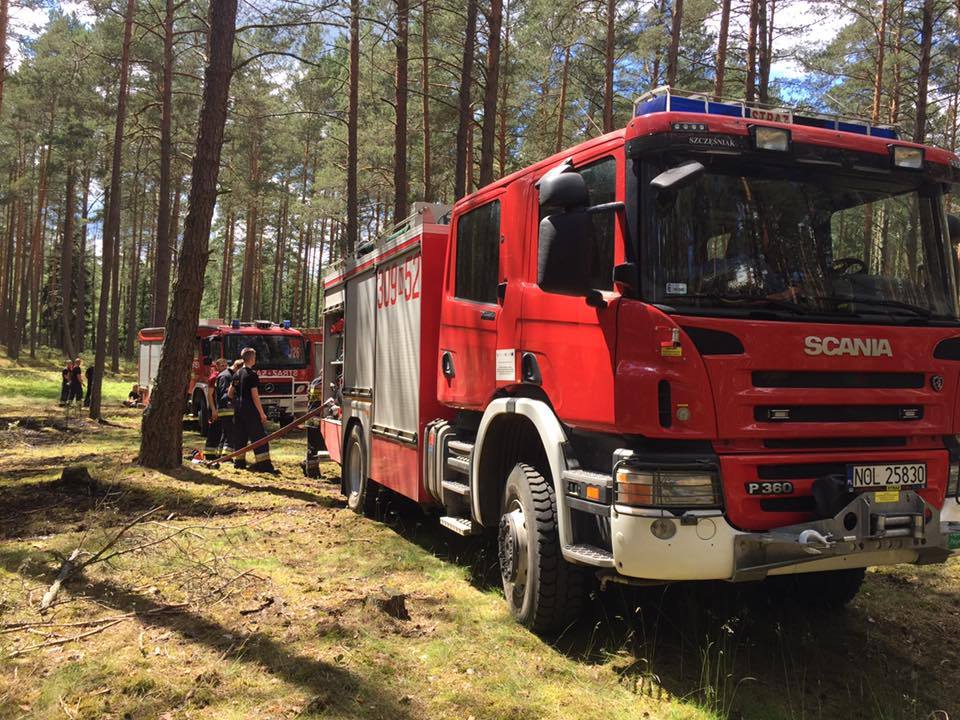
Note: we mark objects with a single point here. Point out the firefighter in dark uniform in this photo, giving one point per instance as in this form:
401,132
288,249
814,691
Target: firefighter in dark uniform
249,417
215,434
225,407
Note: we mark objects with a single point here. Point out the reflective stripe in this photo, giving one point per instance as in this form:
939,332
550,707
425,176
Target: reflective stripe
224,412
259,457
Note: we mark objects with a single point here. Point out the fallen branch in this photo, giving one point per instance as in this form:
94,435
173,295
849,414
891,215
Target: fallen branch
71,566
63,641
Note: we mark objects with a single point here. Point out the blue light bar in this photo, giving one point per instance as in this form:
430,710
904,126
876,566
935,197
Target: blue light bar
667,99
286,324
235,324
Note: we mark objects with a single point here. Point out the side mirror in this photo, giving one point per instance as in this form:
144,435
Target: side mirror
564,253
566,190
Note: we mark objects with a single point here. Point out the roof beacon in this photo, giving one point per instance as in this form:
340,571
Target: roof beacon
668,99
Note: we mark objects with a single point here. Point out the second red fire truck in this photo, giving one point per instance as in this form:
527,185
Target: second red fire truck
283,363
719,344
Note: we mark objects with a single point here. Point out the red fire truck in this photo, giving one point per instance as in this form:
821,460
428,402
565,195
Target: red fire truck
721,343
283,363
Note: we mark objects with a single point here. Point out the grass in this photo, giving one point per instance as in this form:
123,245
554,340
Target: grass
264,604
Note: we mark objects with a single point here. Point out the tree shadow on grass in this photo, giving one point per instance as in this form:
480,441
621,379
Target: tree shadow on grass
739,650
336,690
45,508
192,475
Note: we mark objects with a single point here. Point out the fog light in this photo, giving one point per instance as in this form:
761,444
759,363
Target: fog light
909,158
663,528
771,138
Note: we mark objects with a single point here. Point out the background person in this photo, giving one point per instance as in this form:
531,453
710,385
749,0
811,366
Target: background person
86,397
211,450
76,383
65,382
249,417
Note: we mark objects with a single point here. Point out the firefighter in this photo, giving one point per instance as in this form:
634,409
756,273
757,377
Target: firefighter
65,374
249,417
225,406
211,450
76,384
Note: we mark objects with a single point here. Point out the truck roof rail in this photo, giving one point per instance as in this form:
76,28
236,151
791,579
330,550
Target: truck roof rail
670,99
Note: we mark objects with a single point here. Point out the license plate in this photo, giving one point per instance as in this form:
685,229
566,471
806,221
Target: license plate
878,477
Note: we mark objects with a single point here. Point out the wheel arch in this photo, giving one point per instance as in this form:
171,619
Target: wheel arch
513,430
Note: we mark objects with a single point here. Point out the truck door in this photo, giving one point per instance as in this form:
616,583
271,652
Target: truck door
468,322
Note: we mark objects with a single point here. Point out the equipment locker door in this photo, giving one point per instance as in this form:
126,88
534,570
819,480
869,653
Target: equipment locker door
468,325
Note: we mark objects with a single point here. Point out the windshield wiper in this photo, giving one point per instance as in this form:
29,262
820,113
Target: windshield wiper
729,299
917,310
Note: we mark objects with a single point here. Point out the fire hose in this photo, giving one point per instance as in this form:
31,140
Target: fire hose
269,438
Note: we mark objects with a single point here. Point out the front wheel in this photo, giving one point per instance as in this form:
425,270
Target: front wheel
361,496
544,592
203,416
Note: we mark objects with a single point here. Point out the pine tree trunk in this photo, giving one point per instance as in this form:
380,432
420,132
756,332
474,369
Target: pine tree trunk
425,82
226,275
490,92
4,19
562,111
250,242
923,74
112,227
464,107
608,60
66,260
161,445
896,89
352,121
881,37
115,307
80,316
763,52
504,88
676,24
750,91
133,295
722,49
161,280
36,246
400,181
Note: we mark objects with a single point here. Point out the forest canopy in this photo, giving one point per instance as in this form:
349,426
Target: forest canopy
449,97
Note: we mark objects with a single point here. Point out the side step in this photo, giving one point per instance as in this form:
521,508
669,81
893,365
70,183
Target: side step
459,464
456,487
459,525
588,555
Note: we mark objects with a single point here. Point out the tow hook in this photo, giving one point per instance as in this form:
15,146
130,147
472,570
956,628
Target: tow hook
813,542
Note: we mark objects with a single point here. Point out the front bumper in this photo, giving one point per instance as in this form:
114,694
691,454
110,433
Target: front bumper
706,547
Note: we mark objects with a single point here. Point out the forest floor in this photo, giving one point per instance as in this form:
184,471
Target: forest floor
262,596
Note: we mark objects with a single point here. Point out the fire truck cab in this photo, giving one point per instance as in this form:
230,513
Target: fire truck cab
283,363
719,344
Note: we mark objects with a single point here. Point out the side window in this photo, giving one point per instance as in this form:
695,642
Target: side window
478,254
601,179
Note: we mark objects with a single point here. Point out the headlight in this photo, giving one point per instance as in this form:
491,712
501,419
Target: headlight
771,138
910,158
667,488
300,388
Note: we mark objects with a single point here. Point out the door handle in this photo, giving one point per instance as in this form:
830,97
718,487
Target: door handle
488,315
446,364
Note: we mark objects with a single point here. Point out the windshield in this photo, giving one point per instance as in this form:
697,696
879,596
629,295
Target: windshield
805,242
274,352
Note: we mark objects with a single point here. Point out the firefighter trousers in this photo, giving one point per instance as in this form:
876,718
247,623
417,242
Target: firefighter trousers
211,450
249,429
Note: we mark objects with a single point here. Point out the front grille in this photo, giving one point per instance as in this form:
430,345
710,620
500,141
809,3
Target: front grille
800,471
804,504
276,387
837,413
833,443
879,380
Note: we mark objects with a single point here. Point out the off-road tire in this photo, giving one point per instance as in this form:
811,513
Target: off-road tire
553,592
362,498
827,590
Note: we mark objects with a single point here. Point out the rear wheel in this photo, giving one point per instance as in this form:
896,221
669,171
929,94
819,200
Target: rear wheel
360,491
544,592
829,590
